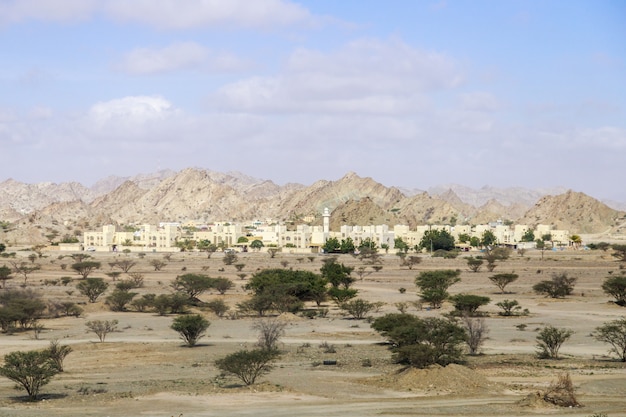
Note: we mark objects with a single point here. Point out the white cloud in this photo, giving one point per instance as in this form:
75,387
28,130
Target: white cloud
366,76
178,56
130,111
164,14
12,11
174,14
479,101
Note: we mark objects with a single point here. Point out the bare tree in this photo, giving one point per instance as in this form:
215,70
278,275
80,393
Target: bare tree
477,331
125,264
157,264
102,327
270,331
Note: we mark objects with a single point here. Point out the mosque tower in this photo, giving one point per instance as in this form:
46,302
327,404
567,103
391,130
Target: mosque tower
326,217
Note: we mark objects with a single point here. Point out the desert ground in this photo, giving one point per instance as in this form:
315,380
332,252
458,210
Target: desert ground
143,369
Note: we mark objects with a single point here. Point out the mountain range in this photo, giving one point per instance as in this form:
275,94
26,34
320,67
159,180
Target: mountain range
46,211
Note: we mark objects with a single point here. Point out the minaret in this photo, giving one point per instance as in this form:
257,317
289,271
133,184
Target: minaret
326,217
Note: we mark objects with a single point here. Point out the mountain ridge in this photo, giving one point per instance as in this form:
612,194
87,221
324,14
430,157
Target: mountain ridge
196,194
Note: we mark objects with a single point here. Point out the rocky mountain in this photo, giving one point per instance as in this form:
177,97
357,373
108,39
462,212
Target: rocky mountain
145,181
362,212
38,211
574,211
506,196
25,198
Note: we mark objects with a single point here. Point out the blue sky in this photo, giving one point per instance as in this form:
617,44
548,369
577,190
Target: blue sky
411,93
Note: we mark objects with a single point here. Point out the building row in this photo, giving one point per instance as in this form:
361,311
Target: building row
305,238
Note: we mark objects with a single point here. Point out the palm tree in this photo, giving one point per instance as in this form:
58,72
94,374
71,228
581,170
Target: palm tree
576,241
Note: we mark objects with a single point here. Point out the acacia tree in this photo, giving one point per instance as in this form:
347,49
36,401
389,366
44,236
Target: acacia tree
614,333
23,269
422,342
502,280
190,328
474,264
102,327
86,267
558,287
434,285
248,365
467,304
616,287
92,288
31,370
125,264
549,341
192,285
157,264
5,275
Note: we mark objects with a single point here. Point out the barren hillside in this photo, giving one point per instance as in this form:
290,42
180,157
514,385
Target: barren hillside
39,210
573,211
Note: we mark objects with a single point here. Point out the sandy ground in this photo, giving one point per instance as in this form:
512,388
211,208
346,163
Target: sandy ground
144,370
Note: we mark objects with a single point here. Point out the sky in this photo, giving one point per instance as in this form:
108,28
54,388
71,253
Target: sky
411,93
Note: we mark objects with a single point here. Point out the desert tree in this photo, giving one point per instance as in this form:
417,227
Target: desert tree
620,251
193,285
24,269
125,264
422,342
272,252
411,261
5,275
157,264
92,288
362,272
222,285
549,341
613,333
357,308
23,307
502,280
229,258
434,285
102,327
190,328
476,332
80,257
558,287
85,268
119,298
31,370
510,308
615,286
57,353
114,275
474,264
270,331
248,365
218,307
206,246
468,304
338,275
